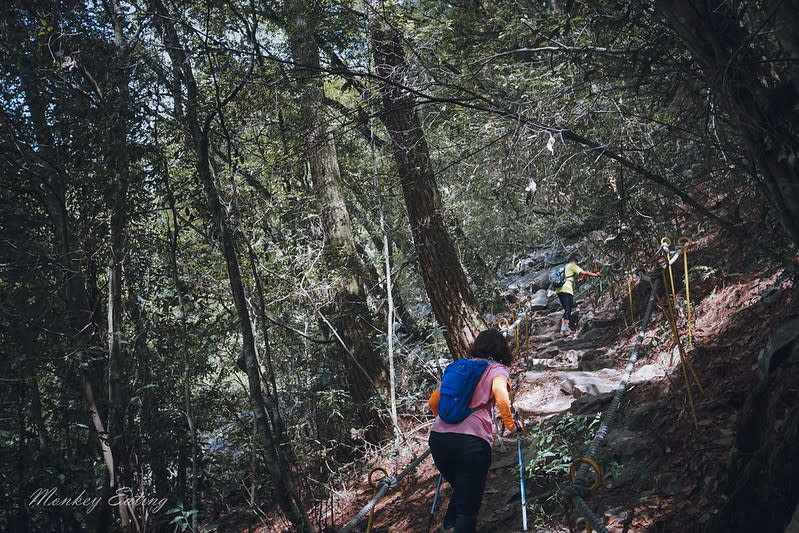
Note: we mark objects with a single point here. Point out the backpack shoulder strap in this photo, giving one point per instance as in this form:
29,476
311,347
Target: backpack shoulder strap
485,370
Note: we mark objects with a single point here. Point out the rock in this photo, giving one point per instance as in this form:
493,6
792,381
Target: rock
591,404
593,353
489,517
570,359
504,460
601,323
589,383
641,417
785,335
540,394
514,492
541,282
542,363
624,443
595,364
554,316
521,283
539,301
668,484
647,373
539,339
793,527
575,320
510,297
548,352
770,295
523,265
597,335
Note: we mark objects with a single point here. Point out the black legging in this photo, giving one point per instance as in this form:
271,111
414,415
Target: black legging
463,460
566,300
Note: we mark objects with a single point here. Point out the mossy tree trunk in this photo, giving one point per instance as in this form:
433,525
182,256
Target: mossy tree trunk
347,310
451,297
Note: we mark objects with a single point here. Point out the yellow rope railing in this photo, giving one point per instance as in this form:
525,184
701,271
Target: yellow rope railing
685,241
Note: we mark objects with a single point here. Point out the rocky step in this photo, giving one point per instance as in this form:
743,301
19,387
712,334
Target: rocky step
542,393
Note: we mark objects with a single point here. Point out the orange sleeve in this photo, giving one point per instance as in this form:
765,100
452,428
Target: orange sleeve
433,401
500,389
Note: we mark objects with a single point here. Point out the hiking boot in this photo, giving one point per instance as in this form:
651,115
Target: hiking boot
447,529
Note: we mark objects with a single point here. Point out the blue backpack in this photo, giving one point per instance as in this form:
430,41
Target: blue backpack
457,387
558,277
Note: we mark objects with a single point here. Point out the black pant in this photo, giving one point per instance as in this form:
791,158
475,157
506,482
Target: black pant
463,460
566,300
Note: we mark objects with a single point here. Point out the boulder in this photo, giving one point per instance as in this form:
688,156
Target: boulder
647,373
782,338
539,301
521,283
570,359
589,383
595,364
592,404
548,352
539,336
594,353
540,394
542,363
641,416
627,444
541,282
597,335
604,322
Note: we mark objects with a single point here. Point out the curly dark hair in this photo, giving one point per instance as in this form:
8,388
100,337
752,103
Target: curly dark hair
491,343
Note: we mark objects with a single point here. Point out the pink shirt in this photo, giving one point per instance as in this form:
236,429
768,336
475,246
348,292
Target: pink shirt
479,422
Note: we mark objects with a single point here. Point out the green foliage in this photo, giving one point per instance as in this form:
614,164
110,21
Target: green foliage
552,446
509,93
556,442
701,272
182,518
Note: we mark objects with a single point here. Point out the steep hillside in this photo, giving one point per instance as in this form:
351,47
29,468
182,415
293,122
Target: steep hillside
661,470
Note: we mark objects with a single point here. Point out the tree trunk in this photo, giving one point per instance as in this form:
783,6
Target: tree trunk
756,83
117,113
50,170
451,298
274,440
187,367
348,311
280,468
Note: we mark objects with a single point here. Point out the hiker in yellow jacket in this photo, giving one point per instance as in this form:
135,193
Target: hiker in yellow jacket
566,291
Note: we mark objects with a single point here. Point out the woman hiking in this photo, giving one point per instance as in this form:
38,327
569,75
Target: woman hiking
566,291
462,450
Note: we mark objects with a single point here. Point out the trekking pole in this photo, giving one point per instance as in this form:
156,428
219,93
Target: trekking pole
435,502
521,468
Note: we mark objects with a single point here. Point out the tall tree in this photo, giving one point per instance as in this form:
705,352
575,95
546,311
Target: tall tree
451,297
116,104
747,53
105,105
268,421
348,310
